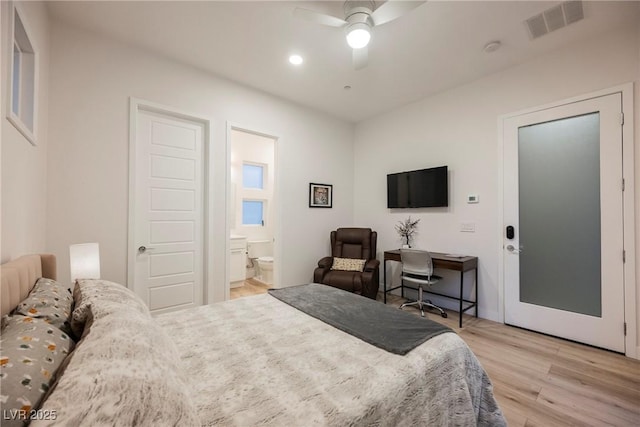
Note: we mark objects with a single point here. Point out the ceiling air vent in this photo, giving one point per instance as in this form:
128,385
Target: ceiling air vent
554,18
573,11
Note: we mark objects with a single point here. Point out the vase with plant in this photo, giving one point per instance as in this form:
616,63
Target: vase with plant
407,229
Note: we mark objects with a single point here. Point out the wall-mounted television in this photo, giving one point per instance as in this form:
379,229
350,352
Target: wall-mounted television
424,188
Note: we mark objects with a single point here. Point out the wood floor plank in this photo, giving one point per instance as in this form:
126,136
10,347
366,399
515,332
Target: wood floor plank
512,401
514,419
626,411
609,381
525,381
248,288
613,362
588,411
516,359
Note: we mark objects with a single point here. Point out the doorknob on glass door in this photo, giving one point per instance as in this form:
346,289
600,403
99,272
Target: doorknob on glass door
513,249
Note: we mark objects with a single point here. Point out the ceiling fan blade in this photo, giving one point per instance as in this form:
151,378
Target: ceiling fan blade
393,9
360,58
319,18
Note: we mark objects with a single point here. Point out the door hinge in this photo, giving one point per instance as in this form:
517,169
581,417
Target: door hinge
625,329
621,119
622,184
624,256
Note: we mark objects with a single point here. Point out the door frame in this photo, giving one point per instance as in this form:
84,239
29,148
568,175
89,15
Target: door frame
277,233
630,309
135,106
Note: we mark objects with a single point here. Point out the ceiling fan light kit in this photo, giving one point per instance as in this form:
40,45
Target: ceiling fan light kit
360,18
358,35
358,25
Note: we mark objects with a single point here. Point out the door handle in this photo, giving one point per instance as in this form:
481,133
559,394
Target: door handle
142,249
513,249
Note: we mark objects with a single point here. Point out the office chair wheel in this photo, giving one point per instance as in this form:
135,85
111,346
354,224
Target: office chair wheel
444,314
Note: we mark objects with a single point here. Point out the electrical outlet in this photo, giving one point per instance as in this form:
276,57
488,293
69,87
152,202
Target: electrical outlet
473,198
468,227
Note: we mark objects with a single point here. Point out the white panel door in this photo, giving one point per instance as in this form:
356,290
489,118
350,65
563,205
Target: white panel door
168,211
563,198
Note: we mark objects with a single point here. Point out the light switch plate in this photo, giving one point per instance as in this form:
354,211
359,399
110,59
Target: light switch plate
468,227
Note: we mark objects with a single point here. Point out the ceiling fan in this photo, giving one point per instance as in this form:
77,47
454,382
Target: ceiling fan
359,19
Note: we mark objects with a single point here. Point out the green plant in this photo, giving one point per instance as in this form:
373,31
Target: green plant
407,229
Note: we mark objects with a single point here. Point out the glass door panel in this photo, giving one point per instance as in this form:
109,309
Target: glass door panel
559,214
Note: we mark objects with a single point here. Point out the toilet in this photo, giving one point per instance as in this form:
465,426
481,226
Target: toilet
261,252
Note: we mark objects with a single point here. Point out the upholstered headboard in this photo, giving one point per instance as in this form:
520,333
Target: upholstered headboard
19,275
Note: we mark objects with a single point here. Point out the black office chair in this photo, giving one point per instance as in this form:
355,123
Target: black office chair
417,267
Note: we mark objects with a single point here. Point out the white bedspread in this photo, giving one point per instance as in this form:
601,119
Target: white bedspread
257,361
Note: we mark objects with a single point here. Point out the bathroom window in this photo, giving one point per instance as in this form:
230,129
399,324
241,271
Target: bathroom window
253,176
23,80
252,212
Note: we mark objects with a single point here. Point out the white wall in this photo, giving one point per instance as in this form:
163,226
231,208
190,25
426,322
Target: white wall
24,167
92,79
458,128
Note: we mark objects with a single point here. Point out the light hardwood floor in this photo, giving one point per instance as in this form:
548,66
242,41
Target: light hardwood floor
250,287
540,380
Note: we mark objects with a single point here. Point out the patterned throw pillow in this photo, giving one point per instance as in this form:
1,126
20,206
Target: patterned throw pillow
50,301
348,264
31,351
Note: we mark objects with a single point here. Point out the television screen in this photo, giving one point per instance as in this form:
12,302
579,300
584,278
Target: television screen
424,188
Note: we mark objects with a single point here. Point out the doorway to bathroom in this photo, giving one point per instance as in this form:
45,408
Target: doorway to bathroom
252,210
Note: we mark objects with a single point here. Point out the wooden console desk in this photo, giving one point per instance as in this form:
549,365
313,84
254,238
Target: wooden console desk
440,260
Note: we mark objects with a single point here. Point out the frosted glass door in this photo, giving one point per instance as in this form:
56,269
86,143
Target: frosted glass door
563,268
559,207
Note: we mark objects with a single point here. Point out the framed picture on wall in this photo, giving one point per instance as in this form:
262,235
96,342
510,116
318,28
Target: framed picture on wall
320,195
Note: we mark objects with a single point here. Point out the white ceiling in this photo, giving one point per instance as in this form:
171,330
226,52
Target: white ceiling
436,46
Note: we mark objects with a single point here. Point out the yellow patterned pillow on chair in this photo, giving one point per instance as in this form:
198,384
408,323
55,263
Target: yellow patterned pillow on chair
348,264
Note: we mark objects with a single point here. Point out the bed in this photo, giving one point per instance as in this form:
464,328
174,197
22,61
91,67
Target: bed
255,361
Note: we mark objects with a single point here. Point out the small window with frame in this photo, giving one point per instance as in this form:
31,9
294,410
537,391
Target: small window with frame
253,176
253,212
22,109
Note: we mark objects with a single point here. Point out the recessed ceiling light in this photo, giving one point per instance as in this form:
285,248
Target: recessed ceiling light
492,46
295,59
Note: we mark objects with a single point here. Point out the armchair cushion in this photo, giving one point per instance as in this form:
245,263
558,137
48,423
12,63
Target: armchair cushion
348,264
346,280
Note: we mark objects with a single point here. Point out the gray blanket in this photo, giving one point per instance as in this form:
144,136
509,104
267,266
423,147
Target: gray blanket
381,325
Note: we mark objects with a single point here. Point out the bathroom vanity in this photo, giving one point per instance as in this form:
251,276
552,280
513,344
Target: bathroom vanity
238,260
